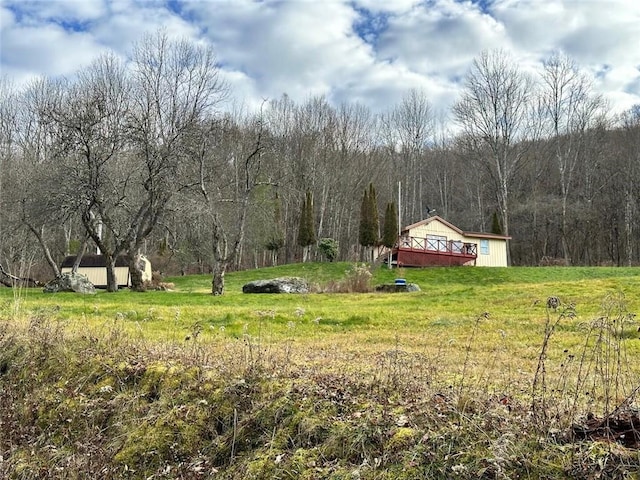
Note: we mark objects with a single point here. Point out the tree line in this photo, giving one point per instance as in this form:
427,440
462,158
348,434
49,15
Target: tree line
137,156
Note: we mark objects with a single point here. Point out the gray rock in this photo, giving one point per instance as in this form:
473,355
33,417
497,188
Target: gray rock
277,285
412,287
69,282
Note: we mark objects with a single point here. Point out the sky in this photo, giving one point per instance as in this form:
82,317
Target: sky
367,51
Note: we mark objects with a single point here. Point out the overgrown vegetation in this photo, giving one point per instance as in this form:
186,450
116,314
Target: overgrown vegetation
533,384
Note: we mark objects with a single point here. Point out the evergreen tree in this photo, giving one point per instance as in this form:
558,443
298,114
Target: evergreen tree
390,227
369,223
495,224
306,230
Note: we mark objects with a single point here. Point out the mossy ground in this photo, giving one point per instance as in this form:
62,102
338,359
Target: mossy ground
436,384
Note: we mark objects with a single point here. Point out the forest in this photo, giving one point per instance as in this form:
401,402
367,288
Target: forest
140,156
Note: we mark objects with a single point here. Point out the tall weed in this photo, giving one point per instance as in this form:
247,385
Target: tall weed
357,279
596,379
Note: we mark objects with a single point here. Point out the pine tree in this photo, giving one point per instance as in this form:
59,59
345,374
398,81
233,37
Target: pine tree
495,224
390,227
306,230
369,223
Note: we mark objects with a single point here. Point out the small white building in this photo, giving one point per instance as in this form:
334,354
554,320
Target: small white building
95,268
434,241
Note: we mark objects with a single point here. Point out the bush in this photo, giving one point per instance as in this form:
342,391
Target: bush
329,248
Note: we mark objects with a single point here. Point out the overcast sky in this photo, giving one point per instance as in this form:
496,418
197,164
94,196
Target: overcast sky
367,51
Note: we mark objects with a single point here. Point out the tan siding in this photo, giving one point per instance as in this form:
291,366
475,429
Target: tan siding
497,253
497,247
435,228
98,275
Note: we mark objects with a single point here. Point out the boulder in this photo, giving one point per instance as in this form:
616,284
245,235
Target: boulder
397,288
277,285
70,282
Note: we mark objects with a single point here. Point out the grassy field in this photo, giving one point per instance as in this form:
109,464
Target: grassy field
394,371
496,311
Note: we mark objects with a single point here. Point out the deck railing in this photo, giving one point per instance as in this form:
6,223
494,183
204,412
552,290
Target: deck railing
432,245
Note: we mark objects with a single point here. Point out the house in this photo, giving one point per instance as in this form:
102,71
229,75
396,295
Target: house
94,267
434,241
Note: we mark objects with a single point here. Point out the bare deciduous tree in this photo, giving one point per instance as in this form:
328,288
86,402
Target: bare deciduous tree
495,114
408,129
569,109
39,145
227,170
630,152
123,133
90,124
176,85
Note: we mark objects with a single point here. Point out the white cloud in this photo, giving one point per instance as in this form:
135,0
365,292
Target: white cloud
52,41
298,48
441,39
45,49
388,6
68,11
310,48
600,35
304,48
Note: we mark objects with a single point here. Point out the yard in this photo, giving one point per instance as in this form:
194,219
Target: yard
476,374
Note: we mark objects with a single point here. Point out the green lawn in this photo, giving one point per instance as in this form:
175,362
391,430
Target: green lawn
509,305
454,381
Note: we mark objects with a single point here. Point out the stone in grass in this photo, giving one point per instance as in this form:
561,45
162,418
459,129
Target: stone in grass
277,285
397,288
70,282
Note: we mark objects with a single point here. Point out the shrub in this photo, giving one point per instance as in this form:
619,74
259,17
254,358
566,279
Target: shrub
357,280
329,248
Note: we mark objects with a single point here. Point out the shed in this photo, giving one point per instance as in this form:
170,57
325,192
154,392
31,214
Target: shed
95,268
434,241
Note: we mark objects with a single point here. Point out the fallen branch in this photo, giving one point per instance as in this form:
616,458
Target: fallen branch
9,280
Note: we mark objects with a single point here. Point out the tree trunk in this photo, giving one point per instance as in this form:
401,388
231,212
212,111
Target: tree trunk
503,201
628,228
78,260
39,234
136,270
564,226
217,284
67,238
220,257
112,281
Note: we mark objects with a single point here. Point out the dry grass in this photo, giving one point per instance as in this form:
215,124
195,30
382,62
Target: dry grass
483,380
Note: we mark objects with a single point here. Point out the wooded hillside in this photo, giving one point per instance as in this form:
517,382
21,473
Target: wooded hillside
140,157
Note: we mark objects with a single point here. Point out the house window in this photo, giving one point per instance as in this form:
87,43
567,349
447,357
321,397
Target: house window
456,246
437,243
484,247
